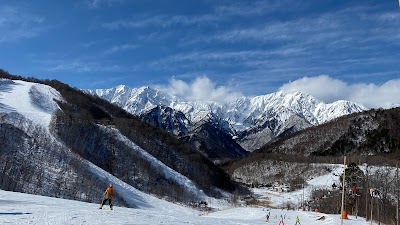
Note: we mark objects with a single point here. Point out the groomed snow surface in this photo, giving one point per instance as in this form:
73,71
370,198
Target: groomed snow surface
18,208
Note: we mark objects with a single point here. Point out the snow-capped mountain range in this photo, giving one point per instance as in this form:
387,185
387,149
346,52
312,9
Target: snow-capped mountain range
251,121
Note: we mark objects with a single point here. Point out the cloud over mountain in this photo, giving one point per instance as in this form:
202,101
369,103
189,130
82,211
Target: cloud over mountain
200,89
328,89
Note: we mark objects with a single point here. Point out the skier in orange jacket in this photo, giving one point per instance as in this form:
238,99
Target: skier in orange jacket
108,195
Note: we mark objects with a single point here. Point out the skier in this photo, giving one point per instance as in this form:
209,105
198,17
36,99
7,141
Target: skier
297,220
267,218
108,195
281,222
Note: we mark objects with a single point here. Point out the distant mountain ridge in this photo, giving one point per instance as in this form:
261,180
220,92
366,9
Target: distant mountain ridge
251,121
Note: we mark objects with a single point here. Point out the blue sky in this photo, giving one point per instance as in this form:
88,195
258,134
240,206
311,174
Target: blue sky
234,47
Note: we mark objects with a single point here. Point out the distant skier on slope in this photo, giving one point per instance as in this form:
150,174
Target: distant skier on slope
108,195
281,222
297,220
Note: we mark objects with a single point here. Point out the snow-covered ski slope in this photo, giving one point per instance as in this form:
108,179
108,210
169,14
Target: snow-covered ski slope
140,199
18,208
33,101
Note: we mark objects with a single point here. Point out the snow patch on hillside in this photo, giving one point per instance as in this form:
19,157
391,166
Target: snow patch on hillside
31,100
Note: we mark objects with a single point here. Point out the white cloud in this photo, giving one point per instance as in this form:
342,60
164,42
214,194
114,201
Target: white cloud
97,3
328,89
200,89
220,13
17,24
252,58
80,67
120,48
252,8
159,21
130,23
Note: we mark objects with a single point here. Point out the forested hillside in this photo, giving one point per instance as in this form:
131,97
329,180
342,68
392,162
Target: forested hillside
371,137
374,132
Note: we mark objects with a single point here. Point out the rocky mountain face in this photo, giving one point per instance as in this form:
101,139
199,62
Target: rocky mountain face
250,121
214,143
205,136
168,119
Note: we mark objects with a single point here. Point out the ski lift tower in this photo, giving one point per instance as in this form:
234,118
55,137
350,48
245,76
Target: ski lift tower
343,211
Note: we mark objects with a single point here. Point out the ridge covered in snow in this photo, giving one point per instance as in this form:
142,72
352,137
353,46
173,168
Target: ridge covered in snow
241,114
251,121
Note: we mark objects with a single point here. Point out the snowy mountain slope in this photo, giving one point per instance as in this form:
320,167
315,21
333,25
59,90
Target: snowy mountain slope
17,208
36,157
29,107
167,172
139,199
134,100
31,156
248,117
31,100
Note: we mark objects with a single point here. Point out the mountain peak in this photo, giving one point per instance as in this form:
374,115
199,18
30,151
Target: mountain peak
271,114
146,88
121,88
